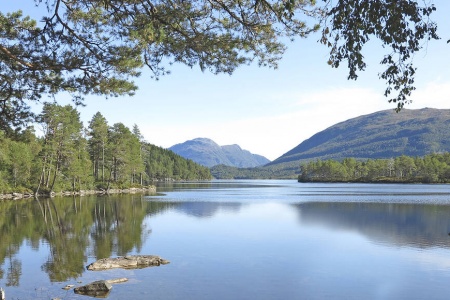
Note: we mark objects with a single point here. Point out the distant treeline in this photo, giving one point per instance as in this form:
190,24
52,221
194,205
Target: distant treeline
228,172
69,157
433,168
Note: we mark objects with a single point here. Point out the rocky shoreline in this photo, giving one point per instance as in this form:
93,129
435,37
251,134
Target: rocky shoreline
19,196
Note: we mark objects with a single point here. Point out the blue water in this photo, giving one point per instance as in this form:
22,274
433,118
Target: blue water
277,240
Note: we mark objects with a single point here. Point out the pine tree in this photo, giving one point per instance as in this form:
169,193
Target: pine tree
98,133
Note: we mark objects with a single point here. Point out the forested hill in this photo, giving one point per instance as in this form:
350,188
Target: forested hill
208,153
69,157
384,134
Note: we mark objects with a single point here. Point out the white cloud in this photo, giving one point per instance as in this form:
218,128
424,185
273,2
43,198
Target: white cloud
435,94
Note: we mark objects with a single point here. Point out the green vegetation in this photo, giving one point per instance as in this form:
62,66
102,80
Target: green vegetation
70,157
97,47
401,27
271,172
161,164
433,168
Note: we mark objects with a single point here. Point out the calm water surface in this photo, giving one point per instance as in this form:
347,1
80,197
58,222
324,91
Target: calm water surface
236,240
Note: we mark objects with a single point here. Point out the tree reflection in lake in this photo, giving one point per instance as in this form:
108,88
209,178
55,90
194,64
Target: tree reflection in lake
74,229
394,224
240,240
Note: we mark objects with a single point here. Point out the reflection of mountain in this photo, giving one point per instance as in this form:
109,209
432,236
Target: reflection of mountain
207,209
414,225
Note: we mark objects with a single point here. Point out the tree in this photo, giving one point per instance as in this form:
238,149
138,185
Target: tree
99,46
124,154
138,162
21,160
98,132
62,131
78,166
400,25
404,166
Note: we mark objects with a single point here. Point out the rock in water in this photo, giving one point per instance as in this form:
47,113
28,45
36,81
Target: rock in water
99,288
127,262
117,280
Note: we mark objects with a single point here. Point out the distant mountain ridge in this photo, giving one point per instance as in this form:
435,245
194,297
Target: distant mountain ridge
382,134
208,153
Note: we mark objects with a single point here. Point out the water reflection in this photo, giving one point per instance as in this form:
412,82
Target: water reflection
273,244
394,224
73,229
207,209
163,187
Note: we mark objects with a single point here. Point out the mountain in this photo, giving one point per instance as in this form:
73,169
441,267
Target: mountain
242,158
383,134
208,153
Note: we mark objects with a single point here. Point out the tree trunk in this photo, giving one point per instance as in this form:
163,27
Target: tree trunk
54,179
109,181
41,179
103,162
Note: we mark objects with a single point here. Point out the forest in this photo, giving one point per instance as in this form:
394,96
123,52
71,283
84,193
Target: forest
66,156
432,168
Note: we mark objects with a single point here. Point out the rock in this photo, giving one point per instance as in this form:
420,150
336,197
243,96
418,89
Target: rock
127,262
118,280
68,287
17,196
100,288
2,294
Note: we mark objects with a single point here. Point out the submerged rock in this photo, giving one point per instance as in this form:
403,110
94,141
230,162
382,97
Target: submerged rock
127,262
118,280
100,288
68,287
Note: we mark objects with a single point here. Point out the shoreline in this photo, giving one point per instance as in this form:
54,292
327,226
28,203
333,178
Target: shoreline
19,196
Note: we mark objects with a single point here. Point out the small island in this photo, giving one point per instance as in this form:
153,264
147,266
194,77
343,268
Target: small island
433,168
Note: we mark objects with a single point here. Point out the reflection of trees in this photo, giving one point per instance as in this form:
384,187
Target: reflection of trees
73,229
65,235
169,186
14,272
118,225
414,225
14,269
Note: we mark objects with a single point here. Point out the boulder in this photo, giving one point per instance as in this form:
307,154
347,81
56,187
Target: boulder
127,262
100,288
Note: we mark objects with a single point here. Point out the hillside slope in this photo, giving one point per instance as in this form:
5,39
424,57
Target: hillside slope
383,134
208,153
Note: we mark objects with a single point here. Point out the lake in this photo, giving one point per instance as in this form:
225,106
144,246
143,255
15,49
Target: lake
244,239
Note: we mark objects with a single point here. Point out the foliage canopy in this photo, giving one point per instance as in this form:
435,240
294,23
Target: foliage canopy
98,46
432,168
69,157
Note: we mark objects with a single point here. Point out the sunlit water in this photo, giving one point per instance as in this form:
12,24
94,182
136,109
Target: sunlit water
236,240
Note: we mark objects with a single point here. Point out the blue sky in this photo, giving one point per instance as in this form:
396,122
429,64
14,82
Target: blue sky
266,111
